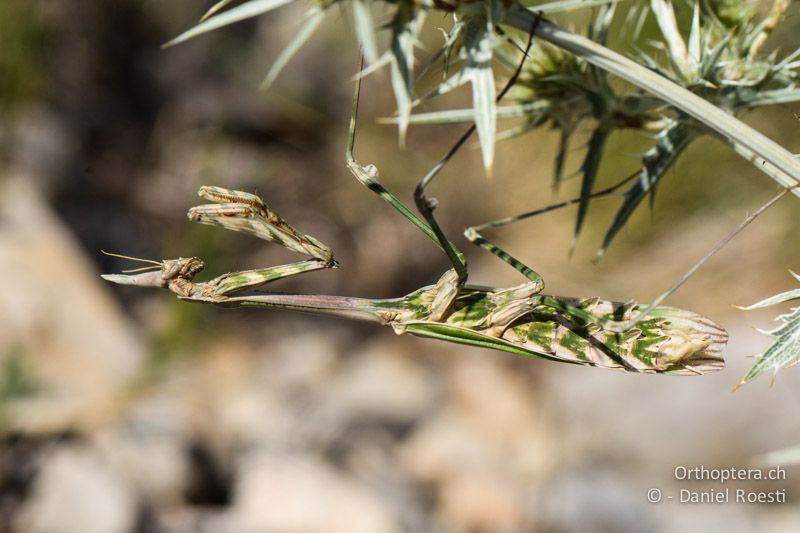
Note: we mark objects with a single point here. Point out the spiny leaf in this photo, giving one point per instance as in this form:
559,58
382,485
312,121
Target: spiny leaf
215,8
313,20
569,5
665,16
453,82
655,163
598,31
589,168
778,96
785,351
695,50
365,30
404,36
561,156
250,9
778,298
479,43
450,40
458,116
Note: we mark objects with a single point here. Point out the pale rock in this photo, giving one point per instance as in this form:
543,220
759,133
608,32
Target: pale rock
294,493
76,490
299,362
491,420
152,461
381,383
481,503
77,345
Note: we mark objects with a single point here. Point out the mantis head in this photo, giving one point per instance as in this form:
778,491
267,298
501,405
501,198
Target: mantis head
158,274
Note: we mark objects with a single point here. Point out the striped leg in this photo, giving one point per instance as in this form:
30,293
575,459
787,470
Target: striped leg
473,233
245,212
368,175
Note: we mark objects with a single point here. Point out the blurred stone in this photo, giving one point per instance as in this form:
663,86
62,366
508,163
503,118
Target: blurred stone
197,520
481,503
76,347
490,420
301,493
76,491
381,383
44,146
485,451
595,497
232,397
300,363
152,461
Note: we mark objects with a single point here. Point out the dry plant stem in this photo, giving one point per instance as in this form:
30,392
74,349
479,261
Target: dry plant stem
771,158
721,244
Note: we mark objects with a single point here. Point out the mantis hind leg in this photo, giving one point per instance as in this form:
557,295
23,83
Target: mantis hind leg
475,236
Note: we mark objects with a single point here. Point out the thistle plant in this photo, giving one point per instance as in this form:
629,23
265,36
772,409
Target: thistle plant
721,63
693,82
785,350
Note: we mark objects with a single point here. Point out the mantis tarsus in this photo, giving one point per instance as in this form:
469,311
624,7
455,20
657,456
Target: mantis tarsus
519,319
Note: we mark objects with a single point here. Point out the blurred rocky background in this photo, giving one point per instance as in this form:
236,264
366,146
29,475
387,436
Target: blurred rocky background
124,410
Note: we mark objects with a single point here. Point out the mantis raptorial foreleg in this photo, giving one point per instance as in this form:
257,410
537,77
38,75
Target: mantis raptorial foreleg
245,212
237,211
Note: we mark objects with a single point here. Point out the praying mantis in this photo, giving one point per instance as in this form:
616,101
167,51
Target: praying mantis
520,320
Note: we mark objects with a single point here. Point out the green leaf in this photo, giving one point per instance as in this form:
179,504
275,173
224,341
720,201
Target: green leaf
313,20
251,9
589,168
785,351
655,162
